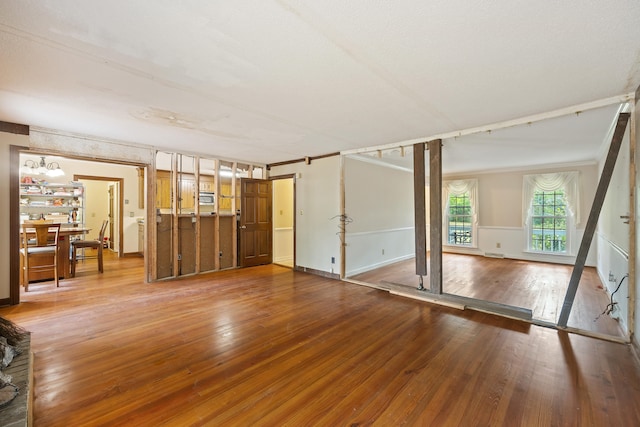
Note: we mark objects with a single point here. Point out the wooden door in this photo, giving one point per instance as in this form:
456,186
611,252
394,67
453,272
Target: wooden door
255,227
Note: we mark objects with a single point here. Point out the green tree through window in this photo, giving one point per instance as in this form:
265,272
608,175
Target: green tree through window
459,218
549,221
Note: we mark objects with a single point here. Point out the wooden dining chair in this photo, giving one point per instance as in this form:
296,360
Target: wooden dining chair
86,244
39,249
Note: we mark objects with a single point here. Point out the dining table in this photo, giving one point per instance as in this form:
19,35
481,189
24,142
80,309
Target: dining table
67,233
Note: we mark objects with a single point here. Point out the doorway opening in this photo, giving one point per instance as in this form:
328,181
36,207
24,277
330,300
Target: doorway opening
80,173
284,220
104,200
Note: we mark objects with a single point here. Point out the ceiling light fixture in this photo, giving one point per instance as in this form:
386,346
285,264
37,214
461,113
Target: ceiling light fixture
41,168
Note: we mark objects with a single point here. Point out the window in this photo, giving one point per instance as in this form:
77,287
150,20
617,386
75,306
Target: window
460,218
549,221
550,211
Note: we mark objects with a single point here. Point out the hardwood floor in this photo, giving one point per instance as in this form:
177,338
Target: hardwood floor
267,346
538,286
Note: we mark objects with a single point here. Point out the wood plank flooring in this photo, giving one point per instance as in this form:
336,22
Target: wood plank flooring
538,286
267,346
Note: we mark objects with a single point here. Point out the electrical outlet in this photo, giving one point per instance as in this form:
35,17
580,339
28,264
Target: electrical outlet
383,252
498,245
333,260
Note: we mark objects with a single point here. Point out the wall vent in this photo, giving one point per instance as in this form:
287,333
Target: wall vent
493,255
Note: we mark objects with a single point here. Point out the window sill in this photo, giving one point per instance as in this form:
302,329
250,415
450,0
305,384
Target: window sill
557,254
447,245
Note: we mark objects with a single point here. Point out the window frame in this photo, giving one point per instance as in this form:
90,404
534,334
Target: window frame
568,183
469,189
543,217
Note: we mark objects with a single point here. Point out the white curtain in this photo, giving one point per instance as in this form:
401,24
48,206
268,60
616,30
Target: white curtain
566,181
458,188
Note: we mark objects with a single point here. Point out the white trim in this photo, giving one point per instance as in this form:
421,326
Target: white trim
494,227
388,230
378,265
614,245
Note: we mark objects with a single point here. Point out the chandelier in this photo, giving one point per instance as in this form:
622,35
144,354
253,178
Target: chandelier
41,168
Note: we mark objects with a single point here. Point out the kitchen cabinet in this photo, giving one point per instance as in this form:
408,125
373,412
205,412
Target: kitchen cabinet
163,189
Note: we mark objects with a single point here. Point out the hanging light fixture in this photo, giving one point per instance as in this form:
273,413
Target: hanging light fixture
29,167
41,168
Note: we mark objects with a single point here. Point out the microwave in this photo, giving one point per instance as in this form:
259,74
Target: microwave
207,199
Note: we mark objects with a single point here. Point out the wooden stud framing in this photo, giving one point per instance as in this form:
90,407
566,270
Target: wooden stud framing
196,208
151,226
234,242
175,196
435,212
216,208
594,214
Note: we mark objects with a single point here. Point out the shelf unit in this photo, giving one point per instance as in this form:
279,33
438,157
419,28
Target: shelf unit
62,203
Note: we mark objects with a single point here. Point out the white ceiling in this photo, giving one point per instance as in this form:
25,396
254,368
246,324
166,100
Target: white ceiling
273,80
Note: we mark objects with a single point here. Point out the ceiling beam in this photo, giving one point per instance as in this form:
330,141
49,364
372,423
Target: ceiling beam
574,109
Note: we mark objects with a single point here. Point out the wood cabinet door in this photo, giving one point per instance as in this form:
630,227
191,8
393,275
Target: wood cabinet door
163,190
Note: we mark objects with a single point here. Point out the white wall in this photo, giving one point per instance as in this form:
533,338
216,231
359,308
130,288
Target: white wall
130,187
317,211
613,234
6,139
500,214
379,202
96,206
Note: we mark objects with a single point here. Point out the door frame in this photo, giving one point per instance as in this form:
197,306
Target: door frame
291,176
256,225
120,182
14,205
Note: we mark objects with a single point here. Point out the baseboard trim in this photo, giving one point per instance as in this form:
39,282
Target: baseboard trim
317,272
5,301
132,254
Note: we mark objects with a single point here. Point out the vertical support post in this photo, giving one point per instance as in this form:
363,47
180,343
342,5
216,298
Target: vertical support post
234,208
594,214
150,225
196,208
435,213
420,215
175,205
216,209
